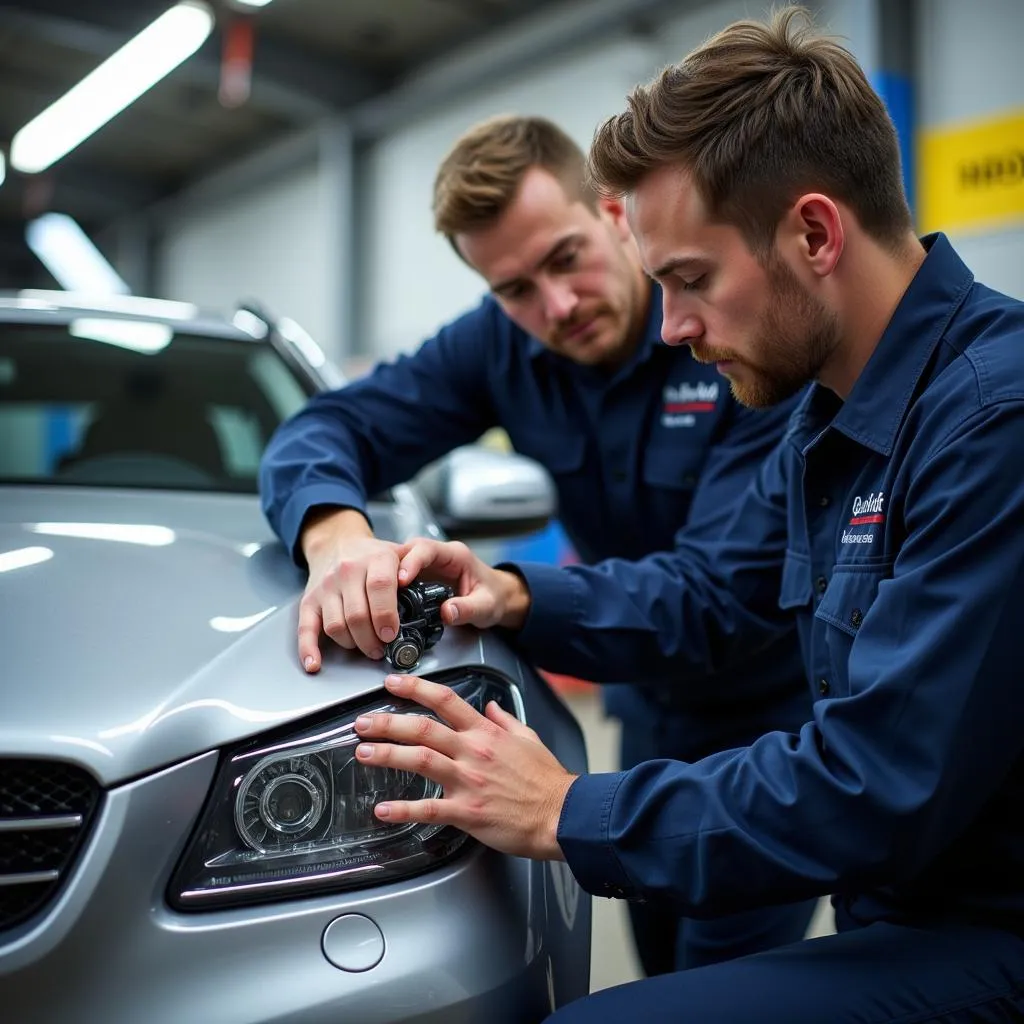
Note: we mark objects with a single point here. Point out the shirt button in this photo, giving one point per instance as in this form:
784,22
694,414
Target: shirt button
822,584
823,687
824,501
856,618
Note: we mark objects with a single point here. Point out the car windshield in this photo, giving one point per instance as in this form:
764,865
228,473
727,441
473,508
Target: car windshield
132,403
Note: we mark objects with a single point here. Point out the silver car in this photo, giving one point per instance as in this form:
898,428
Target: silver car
184,833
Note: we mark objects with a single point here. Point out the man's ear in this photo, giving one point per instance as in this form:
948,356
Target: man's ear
812,233
613,209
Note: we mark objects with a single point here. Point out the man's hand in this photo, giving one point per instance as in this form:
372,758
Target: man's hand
484,596
352,592
501,784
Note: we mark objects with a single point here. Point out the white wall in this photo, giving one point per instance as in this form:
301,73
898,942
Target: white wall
415,282
276,236
283,241
971,66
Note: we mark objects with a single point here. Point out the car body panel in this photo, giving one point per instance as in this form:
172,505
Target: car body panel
164,625
145,635
477,940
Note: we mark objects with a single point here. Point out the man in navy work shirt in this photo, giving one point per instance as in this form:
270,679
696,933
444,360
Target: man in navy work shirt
763,186
566,355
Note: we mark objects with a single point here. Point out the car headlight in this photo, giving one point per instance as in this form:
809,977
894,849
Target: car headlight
293,814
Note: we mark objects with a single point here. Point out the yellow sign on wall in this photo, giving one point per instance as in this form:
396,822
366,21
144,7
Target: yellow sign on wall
971,176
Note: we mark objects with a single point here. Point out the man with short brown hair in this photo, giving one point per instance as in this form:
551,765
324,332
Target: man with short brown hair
761,179
642,441
481,174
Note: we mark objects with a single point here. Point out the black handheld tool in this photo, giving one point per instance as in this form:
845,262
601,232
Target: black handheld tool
420,626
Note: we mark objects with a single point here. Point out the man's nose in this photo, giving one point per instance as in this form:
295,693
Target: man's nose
559,300
680,330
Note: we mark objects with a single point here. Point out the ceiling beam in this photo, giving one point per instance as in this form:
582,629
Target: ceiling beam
285,81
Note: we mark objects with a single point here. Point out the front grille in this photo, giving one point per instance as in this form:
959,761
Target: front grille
46,808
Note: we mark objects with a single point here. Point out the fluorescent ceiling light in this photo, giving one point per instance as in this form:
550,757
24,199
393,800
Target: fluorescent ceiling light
145,336
120,80
133,305
68,254
20,558
3,167
252,3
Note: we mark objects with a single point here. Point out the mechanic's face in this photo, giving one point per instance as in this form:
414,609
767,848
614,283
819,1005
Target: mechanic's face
766,333
566,274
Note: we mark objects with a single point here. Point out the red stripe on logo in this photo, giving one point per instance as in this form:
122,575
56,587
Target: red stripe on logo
862,520
689,407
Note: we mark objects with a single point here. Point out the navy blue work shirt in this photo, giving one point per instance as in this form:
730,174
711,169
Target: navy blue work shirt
891,526
635,454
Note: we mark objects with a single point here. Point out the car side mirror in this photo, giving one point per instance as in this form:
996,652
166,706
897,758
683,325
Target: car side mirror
476,492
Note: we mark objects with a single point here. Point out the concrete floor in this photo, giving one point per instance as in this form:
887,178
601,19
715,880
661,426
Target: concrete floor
613,959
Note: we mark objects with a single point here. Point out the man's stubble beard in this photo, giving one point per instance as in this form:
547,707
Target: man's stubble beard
626,318
787,358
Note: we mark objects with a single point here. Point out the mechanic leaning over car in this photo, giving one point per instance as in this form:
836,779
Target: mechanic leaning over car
763,186
565,354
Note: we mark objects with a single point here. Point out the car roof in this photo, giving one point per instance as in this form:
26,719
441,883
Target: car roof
38,306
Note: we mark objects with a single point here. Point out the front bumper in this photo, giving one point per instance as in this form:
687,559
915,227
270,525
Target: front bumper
486,938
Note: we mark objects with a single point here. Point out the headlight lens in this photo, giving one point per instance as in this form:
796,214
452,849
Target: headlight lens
291,814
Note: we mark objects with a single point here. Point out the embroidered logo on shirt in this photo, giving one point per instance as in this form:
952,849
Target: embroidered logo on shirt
866,512
684,402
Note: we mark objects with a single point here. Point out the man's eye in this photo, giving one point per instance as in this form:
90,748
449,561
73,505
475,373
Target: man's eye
565,260
695,284
513,292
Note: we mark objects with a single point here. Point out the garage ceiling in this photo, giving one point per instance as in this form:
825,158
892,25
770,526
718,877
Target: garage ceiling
312,58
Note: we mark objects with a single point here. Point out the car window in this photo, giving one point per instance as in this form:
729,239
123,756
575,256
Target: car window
171,410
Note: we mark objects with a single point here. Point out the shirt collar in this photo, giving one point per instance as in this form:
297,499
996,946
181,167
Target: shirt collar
878,402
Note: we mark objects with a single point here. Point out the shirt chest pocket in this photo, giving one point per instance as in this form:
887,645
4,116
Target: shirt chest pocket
842,610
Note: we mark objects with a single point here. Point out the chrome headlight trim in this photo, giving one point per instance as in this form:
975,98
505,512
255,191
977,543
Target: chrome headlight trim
291,813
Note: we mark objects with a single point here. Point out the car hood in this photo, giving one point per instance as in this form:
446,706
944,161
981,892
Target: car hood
139,630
